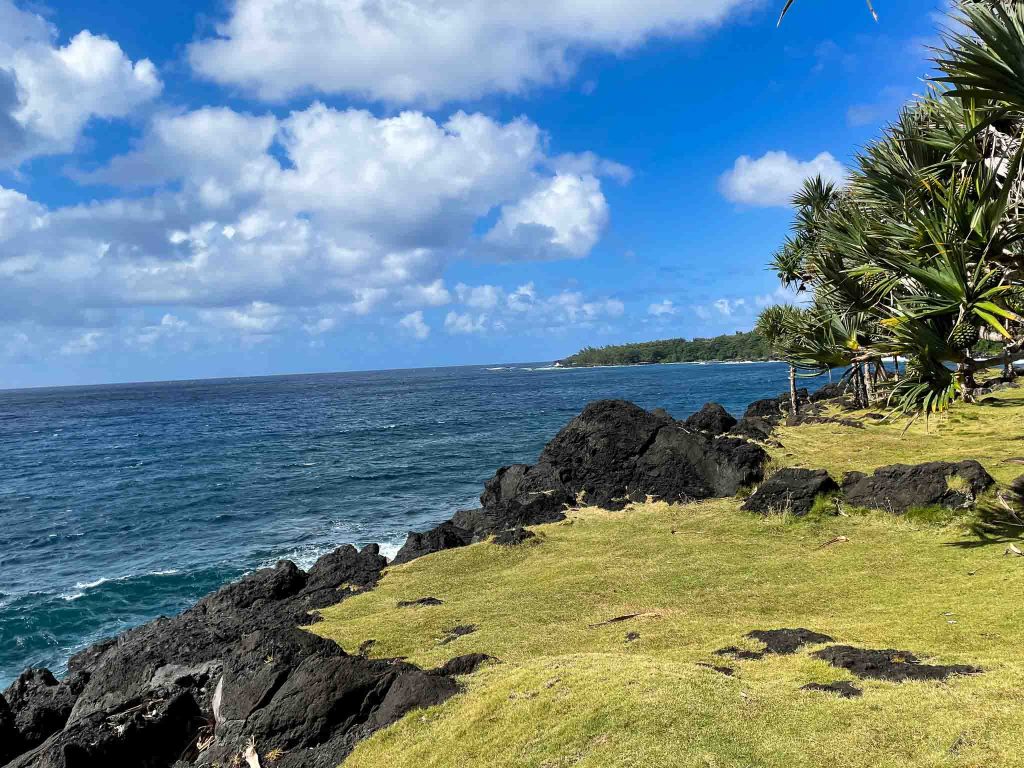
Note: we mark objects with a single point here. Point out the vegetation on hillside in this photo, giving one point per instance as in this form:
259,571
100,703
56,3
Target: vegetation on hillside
571,690
921,254
737,346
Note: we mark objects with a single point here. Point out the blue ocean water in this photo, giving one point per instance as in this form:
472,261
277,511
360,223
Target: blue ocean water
122,503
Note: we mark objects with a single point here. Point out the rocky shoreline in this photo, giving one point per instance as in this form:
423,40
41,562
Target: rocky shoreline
235,680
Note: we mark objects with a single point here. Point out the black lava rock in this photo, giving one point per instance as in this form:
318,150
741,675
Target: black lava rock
901,487
464,665
894,666
754,428
712,419
39,706
444,536
785,642
235,660
513,537
791,490
423,602
612,454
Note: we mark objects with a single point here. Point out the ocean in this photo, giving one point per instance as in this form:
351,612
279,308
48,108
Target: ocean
122,503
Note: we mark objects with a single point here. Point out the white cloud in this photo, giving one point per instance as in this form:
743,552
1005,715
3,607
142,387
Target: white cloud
775,177
414,324
85,344
729,307
456,323
431,50
662,309
257,319
564,215
478,297
48,93
324,209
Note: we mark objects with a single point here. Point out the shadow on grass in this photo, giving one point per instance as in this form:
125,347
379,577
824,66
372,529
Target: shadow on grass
994,525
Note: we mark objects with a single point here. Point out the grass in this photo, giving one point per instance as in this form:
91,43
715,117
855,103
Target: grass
990,432
569,693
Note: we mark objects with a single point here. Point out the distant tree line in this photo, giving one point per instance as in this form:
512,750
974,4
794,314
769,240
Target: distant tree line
737,346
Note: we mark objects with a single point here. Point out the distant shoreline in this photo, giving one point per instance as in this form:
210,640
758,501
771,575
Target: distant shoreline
560,365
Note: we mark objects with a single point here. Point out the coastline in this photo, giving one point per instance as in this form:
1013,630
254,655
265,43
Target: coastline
203,665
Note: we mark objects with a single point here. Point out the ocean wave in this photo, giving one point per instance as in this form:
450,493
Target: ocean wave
82,588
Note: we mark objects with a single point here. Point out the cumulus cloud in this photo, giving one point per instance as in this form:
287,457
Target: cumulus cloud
564,215
431,51
414,324
49,93
466,323
775,177
478,297
263,225
662,309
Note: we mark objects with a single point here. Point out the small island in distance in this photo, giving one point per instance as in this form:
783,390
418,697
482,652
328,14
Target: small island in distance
739,346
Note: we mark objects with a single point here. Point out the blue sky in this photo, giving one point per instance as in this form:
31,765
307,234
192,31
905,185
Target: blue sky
253,187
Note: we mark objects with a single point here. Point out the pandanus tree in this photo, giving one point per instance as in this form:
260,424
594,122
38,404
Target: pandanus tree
921,255
780,326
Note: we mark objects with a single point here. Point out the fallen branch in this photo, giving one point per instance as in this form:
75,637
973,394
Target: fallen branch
627,617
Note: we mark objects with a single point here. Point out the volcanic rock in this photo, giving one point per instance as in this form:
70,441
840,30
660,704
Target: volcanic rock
445,536
612,454
791,490
891,665
712,419
231,671
901,487
513,537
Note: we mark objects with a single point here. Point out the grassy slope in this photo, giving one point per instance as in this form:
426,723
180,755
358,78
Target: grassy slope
571,695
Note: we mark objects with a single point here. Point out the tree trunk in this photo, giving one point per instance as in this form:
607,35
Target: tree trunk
896,367
794,405
869,388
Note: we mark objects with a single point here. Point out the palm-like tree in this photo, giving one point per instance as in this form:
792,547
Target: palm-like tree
780,326
922,255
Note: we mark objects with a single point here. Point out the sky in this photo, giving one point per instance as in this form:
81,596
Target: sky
252,187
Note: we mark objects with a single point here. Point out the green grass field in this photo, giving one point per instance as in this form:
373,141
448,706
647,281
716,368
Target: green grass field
568,693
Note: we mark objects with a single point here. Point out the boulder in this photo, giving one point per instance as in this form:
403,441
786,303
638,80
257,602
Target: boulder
444,536
39,705
831,391
754,428
524,495
10,739
791,490
513,537
769,408
775,409
712,419
901,487
596,453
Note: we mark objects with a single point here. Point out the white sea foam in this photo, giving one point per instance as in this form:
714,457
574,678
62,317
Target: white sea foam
390,549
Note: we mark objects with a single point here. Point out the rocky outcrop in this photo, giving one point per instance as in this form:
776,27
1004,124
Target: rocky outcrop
775,409
902,487
791,490
445,536
195,690
754,428
712,419
39,705
612,454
